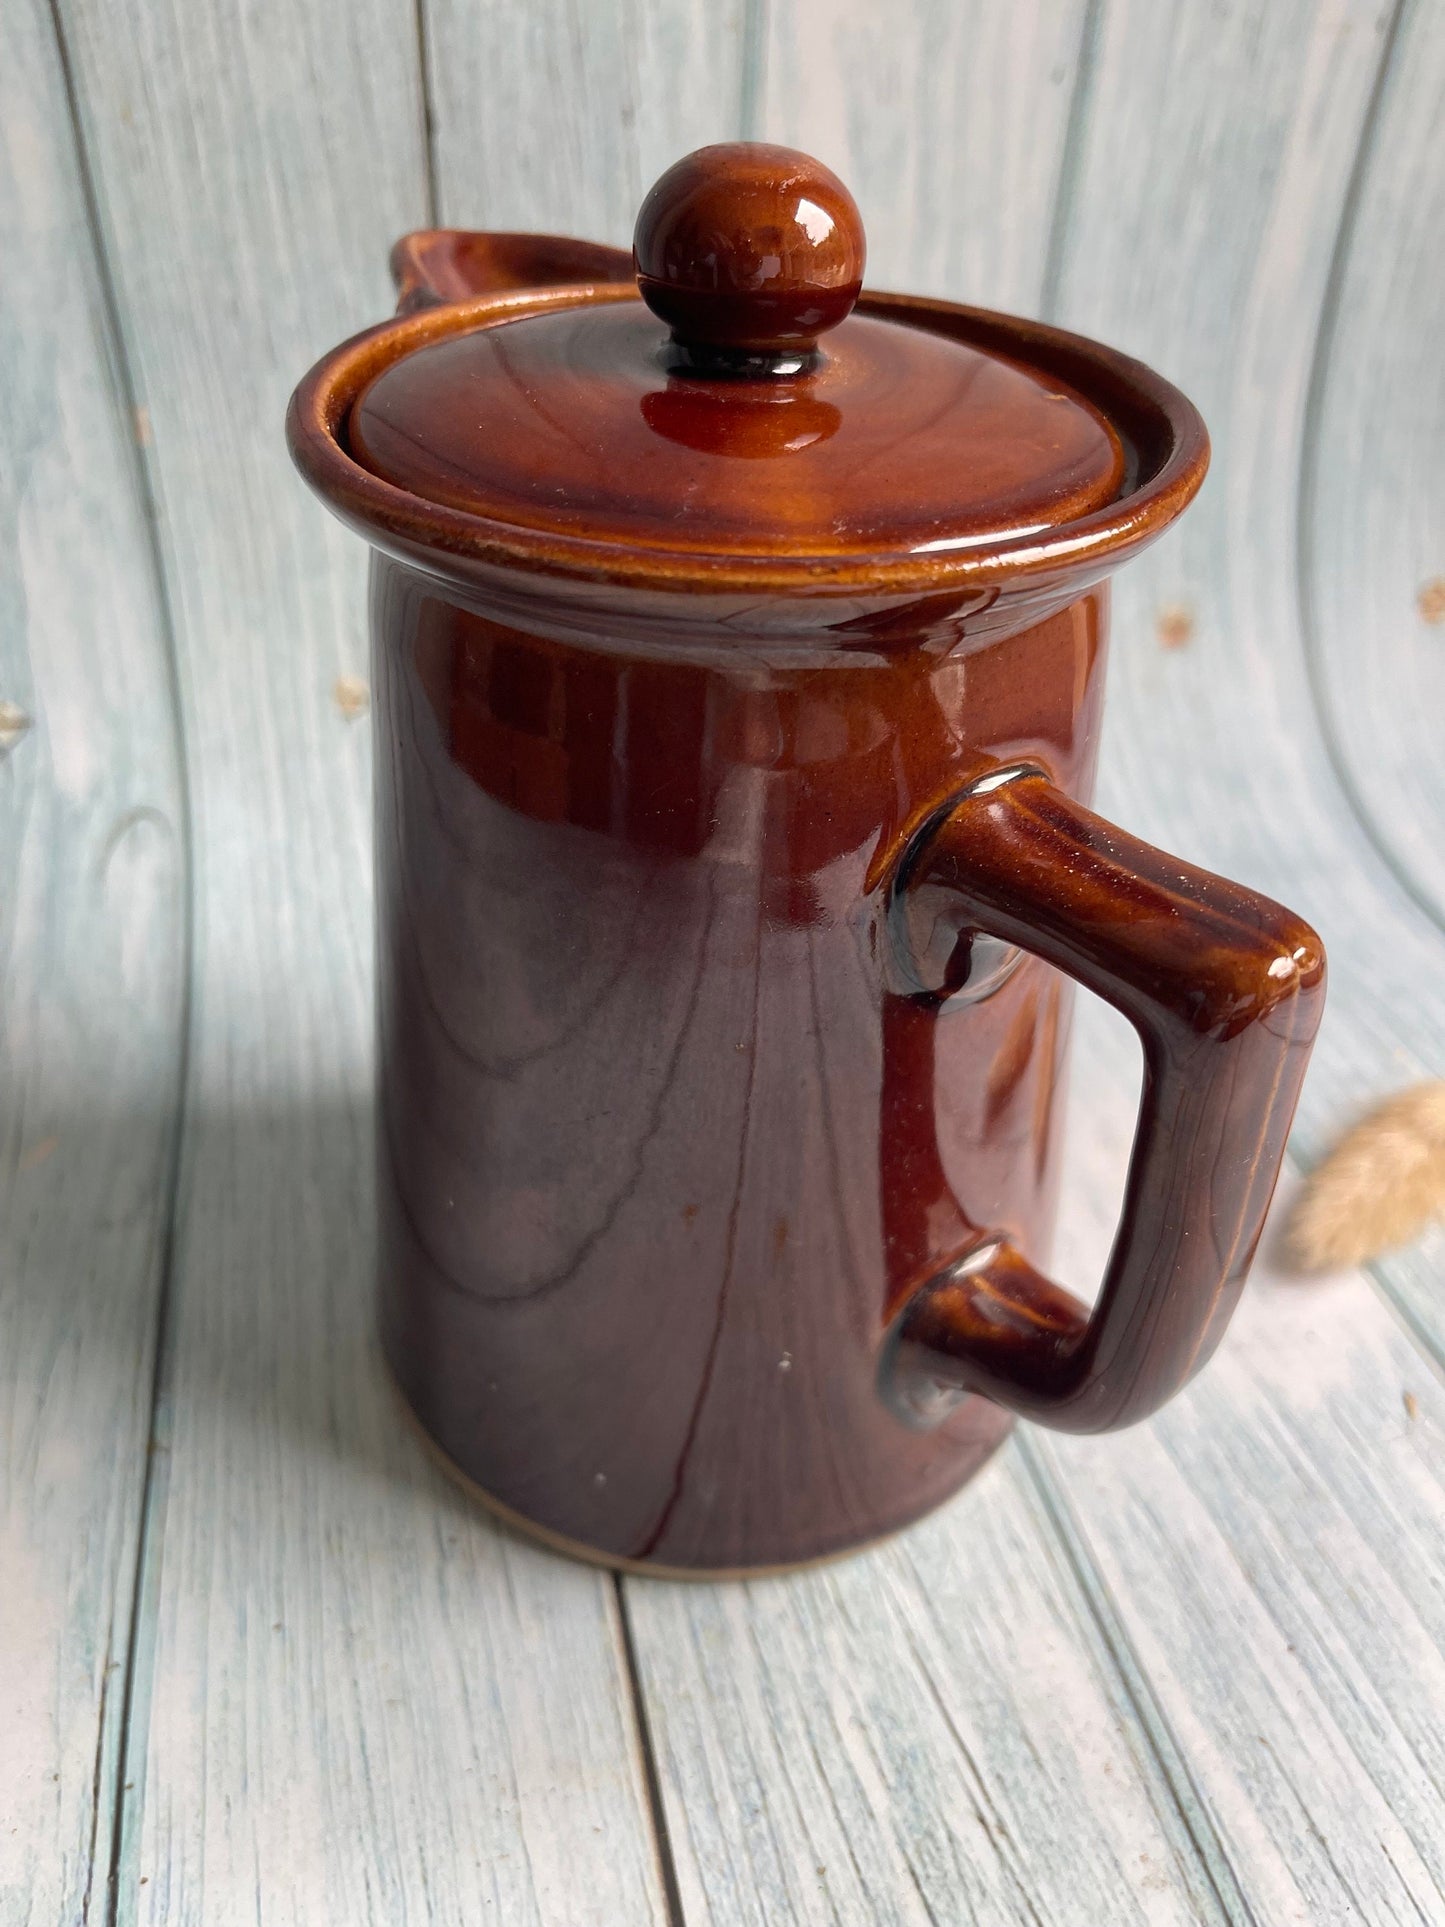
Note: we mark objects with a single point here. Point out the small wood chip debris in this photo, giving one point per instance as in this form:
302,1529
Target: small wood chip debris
1174,625
13,725
142,424
37,1154
1411,1405
352,697
1431,599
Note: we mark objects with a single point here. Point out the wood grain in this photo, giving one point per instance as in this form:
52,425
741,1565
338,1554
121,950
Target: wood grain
951,133
931,1731
1214,156
353,1699
1373,507
1269,1546
559,117
1250,1580
92,955
1214,161
1207,1653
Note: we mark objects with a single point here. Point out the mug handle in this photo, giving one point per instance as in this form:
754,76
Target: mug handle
1225,989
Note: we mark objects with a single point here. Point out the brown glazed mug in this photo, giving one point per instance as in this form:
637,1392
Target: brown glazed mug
738,661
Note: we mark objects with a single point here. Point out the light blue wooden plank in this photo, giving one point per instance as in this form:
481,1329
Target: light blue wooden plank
279,1434
1294,1467
1374,507
1213,171
949,125
1269,1550
1209,170
92,954
355,1699
880,1740
952,1722
558,117
930,1731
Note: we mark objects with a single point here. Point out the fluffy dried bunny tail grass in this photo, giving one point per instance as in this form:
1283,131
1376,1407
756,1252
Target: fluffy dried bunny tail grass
1380,1186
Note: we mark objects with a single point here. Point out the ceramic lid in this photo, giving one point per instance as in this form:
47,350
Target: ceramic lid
744,411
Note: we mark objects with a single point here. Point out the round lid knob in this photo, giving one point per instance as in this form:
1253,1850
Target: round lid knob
749,252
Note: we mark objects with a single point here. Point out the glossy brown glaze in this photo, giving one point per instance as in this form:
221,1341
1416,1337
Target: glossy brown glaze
749,247
733,751
438,265
665,1135
1226,990
824,584
899,441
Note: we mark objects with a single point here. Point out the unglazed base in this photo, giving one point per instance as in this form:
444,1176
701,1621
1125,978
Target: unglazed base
541,1535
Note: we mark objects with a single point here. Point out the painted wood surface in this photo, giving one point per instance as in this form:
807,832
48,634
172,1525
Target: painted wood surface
92,977
351,1699
1213,744
1267,1551
952,135
1238,1602
890,1739
1208,1650
1373,504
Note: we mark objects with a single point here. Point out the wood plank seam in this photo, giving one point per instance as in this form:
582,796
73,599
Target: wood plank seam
1311,454
1378,483
152,1488
1118,1652
140,1650
154,1492
752,83
545,1764
1153,1723
1080,102
97,1779
662,1841
1388,1276
1379,1271
428,113
753,77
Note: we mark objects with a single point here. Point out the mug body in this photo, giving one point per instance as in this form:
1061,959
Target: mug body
674,1113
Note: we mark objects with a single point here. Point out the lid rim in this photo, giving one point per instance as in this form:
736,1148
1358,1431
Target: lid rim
1150,416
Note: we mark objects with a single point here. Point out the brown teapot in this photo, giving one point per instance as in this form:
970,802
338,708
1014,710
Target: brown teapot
739,645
